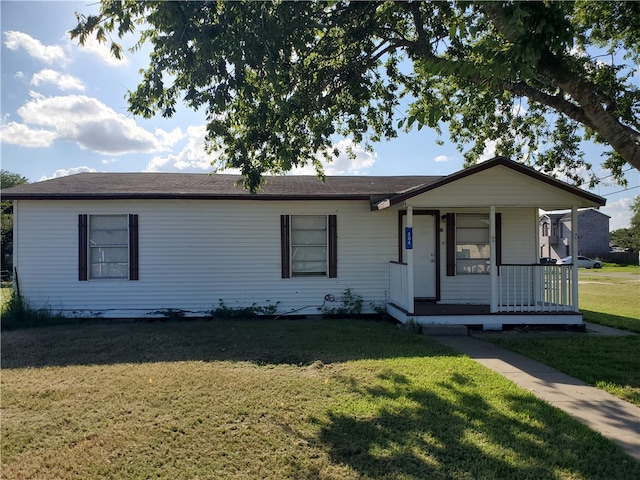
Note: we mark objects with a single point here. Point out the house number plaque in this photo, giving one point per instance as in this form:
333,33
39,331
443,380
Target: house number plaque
408,238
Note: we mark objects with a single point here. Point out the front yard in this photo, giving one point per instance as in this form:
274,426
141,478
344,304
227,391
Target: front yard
275,399
305,399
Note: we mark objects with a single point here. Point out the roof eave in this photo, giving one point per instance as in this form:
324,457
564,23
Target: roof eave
183,196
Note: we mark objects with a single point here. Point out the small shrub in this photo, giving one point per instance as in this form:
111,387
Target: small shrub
413,326
17,313
223,311
379,307
351,305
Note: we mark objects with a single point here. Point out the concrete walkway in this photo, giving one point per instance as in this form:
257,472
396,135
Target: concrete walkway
614,418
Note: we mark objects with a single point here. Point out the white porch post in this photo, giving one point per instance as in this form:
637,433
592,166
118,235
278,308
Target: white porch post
410,300
493,268
574,255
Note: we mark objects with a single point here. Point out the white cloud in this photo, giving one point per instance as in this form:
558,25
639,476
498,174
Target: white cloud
192,157
62,81
86,121
441,158
47,53
578,51
106,161
70,171
489,151
343,164
103,52
19,74
620,213
20,134
169,139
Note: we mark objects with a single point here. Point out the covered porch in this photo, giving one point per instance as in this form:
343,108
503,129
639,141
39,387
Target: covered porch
469,247
520,293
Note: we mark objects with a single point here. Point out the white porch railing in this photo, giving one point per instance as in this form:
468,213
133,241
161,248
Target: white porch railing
520,288
399,279
536,288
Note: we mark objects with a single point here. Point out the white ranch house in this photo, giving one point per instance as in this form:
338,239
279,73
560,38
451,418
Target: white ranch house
459,249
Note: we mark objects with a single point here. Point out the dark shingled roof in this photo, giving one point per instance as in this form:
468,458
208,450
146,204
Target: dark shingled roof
192,186
380,191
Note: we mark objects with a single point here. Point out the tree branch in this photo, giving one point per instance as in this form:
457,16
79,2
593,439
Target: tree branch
590,100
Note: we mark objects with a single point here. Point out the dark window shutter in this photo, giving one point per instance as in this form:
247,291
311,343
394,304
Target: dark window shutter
451,244
133,248
333,246
82,247
285,246
498,239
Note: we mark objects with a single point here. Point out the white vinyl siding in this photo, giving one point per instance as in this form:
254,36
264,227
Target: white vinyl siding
108,247
308,245
194,253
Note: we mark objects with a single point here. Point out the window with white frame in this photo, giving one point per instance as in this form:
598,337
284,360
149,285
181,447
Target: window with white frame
109,246
473,252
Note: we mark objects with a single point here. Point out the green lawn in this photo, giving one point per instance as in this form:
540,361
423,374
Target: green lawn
610,296
276,400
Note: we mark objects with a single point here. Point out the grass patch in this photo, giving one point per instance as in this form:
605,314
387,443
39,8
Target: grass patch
618,268
15,312
276,399
5,295
611,298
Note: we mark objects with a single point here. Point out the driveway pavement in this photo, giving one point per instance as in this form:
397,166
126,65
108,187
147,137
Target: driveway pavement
614,418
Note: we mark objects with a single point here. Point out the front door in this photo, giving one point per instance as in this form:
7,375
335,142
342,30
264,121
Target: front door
424,254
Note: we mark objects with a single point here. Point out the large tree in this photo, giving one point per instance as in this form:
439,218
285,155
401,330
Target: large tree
281,80
7,180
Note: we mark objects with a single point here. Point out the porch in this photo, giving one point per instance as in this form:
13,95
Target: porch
520,294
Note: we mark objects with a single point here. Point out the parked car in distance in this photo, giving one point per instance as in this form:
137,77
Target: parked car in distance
583,262
547,261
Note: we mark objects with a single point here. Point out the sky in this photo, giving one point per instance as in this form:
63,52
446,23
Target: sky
64,111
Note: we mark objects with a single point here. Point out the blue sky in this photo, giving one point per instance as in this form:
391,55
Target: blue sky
64,111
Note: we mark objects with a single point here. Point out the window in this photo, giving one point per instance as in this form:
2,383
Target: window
309,246
108,247
473,252
467,247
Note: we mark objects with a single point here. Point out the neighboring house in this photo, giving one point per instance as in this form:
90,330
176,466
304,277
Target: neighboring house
459,249
592,234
